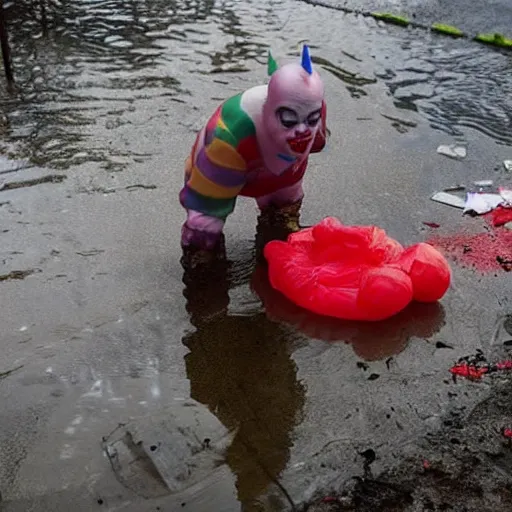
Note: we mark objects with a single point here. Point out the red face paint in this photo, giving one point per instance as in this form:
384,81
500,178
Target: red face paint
300,144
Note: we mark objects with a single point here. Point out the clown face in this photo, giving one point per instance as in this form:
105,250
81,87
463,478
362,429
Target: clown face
293,109
298,125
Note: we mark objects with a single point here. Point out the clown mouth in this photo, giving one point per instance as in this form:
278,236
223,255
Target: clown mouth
300,144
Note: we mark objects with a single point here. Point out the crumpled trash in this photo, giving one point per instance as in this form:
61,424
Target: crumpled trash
478,202
508,165
482,203
452,150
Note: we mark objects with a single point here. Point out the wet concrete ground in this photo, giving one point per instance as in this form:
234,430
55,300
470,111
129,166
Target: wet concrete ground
105,332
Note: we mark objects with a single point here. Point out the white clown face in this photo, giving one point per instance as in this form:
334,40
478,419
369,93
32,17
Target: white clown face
293,109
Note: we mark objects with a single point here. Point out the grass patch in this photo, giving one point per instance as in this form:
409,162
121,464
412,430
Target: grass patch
494,39
447,29
391,18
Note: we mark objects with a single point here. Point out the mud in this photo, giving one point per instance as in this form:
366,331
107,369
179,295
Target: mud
465,466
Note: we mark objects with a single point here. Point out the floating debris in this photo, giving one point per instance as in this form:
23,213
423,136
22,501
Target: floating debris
434,225
449,199
455,188
483,183
452,151
16,274
474,371
476,202
482,203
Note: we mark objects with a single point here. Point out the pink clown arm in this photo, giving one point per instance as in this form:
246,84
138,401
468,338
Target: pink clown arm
321,136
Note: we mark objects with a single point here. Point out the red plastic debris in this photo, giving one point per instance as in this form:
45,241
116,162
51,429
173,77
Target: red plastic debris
426,464
354,272
329,499
501,216
469,371
432,224
472,371
507,432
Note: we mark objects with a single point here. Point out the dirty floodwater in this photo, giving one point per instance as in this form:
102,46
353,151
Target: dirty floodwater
127,385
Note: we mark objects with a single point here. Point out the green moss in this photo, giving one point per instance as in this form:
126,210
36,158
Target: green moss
391,18
447,29
494,39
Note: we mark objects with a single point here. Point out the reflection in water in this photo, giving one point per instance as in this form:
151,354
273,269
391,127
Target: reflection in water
370,340
240,367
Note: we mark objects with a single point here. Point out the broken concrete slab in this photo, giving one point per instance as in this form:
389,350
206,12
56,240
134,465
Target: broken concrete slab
165,454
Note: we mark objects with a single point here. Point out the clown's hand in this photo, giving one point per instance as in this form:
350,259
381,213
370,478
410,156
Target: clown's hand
202,239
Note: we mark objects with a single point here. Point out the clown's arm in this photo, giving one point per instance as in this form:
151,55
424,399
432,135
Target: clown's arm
215,174
321,136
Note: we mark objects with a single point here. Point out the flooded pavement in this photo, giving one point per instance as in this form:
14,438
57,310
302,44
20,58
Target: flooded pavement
102,331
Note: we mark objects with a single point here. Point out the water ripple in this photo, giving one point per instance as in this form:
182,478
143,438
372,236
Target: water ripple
87,67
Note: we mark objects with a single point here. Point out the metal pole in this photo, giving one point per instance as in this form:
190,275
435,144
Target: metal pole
4,42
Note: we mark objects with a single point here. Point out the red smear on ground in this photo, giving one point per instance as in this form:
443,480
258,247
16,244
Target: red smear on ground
504,365
329,499
486,252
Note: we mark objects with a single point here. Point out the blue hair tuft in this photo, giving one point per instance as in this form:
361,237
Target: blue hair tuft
306,60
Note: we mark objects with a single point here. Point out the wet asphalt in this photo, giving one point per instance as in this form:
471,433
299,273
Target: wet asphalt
105,332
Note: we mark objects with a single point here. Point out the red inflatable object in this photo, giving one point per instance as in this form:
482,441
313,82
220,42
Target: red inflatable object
354,272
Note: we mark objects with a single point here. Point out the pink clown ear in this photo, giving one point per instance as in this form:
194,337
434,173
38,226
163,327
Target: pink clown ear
306,62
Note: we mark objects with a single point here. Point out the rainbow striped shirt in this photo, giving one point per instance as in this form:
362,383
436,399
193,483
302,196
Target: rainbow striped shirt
223,154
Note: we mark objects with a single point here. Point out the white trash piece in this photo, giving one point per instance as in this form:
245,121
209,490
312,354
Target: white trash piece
449,199
452,151
506,194
483,183
482,203
508,165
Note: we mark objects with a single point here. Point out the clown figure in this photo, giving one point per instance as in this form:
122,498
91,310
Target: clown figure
256,144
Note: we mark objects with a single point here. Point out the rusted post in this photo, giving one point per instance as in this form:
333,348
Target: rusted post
4,42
